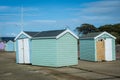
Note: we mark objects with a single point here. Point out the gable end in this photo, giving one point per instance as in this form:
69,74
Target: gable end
22,33
106,34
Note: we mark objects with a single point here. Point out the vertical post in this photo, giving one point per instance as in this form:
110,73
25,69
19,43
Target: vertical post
22,18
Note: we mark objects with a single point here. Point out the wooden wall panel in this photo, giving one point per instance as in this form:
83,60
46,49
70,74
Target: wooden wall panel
100,50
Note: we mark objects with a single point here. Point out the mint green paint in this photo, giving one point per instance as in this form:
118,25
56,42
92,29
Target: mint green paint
95,50
67,50
43,52
30,45
15,46
87,49
9,46
17,57
104,36
113,49
55,52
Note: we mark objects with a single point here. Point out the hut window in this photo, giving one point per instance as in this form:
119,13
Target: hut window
100,39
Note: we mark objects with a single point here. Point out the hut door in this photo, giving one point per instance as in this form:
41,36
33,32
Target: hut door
108,49
23,51
100,50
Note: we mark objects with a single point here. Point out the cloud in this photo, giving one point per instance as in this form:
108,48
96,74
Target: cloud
30,9
9,24
98,7
103,3
12,8
8,14
44,21
99,12
12,34
4,8
12,11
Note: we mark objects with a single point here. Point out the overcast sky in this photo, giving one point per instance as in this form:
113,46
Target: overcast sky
39,15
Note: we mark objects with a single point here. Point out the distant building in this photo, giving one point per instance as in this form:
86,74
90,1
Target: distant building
2,46
7,44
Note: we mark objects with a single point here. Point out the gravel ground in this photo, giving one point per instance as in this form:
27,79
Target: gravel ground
9,70
85,70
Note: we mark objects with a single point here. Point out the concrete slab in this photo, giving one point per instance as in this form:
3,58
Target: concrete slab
70,70
112,79
92,76
108,68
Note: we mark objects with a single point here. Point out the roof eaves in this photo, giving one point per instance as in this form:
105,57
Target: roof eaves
87,38
53,37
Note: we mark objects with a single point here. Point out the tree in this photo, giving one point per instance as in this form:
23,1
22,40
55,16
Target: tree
107,28
86,28
112,29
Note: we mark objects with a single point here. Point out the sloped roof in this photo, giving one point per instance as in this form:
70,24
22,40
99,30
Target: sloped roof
31,33
46,34
95,35
90,35
51,33
7,39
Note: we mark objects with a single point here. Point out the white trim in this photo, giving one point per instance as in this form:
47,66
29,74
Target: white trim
105,33
20,52
22,33
67,30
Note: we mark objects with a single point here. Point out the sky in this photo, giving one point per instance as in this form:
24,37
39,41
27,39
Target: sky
42,15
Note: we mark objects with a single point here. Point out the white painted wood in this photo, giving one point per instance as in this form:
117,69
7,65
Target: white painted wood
21,34
26,51
20,51
108,49
105,33
64,32
23,51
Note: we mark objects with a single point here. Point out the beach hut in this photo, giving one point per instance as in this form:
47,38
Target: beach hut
2,46
9,46
8,43
99,46
23,46
53,48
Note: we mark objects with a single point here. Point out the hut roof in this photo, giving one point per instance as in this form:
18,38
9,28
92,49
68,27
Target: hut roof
51,33
95,35
90,35
46,34
6,39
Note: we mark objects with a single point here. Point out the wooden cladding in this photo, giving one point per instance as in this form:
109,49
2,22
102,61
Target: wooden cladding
100,44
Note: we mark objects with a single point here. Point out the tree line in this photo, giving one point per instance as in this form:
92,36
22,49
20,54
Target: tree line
113,29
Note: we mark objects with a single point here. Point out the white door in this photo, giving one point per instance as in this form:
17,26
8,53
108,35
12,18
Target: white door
20,51
108,49
26,51
23,51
